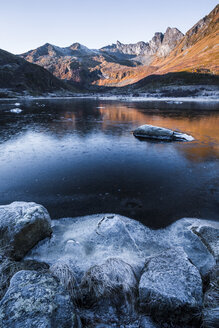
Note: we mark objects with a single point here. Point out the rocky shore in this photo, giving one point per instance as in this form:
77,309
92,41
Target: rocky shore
105,270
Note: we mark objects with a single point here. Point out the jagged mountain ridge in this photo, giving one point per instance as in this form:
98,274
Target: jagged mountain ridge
79,64
123,64
160,45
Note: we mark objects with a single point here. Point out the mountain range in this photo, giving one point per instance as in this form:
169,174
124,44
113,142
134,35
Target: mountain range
76,67
122,64
110,66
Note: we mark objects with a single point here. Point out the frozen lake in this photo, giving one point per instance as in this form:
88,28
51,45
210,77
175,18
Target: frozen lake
79,157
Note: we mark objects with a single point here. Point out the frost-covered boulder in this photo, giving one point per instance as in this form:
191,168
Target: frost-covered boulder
36,300
83,252
22,225
208,232
156,132
185,233
9,267
170,287
88,241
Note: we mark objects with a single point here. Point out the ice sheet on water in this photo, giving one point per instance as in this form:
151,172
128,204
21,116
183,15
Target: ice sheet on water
16,110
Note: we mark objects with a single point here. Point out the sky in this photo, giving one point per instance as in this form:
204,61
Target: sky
28,24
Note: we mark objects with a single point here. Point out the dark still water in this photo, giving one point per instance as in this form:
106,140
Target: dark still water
79,157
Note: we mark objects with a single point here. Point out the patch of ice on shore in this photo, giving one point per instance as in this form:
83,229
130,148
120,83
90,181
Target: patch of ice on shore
174,102
16,110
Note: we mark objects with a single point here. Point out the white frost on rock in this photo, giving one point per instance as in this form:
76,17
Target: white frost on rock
171,284
87,241
22,225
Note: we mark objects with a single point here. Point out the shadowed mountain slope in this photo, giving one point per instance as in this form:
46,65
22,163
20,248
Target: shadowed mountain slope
18,75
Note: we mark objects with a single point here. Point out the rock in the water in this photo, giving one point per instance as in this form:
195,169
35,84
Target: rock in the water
36,300
154,132
170,287
22,225
211,301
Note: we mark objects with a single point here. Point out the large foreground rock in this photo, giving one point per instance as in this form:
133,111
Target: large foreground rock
87,241
36,300
184,233
171,287
22,225
91,254
155,132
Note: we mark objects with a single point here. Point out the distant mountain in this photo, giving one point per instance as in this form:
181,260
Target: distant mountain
160,45
17,75
79,64
75,63
124,64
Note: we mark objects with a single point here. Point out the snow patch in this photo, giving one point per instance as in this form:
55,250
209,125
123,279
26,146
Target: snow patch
16,110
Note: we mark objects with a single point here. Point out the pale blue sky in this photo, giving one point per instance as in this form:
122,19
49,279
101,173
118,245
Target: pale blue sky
27,24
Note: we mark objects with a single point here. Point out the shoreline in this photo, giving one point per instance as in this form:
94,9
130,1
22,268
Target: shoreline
170,100
107,270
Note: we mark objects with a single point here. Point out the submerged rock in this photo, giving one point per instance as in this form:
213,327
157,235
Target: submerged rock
36,300
154,132
170,287
22,225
